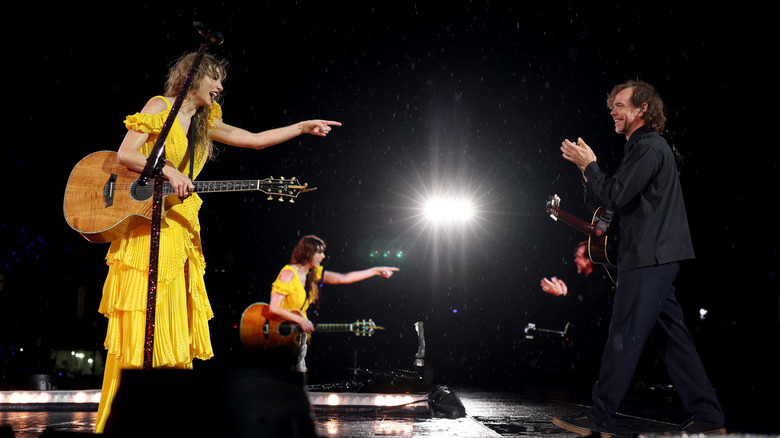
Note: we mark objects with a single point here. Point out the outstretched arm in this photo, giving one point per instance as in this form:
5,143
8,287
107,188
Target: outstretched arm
234,136
329,277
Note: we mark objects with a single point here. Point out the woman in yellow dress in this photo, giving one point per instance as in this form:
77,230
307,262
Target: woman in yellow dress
297,285
182,306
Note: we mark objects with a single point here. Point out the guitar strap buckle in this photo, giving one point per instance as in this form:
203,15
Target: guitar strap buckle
603,222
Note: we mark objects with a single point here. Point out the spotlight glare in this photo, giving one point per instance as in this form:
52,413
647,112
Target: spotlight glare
448,210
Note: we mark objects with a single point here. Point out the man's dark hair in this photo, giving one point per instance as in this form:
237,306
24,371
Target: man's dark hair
655,116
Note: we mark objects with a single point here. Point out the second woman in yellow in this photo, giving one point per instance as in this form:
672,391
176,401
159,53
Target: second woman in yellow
297,285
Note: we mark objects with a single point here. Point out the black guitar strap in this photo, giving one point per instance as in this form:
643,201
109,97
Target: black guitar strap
679,159
603,223
191,137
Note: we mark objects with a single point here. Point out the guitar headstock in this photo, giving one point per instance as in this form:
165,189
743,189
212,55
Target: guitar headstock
364,328
553,203
283,188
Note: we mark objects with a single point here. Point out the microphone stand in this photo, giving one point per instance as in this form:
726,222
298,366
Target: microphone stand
153,170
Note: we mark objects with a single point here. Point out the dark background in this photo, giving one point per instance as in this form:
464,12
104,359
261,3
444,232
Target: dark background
467,98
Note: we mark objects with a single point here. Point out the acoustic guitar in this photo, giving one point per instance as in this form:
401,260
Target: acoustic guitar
262,330
104,199
602,231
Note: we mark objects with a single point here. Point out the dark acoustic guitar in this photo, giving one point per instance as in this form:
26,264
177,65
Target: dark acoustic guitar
602,231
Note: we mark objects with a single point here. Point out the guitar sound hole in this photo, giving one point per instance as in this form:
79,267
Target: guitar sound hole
286,328
141,192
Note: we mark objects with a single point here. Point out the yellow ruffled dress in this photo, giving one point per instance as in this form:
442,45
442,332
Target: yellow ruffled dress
182,306
294,292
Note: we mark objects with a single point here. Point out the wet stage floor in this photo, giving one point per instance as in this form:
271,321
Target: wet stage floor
488,413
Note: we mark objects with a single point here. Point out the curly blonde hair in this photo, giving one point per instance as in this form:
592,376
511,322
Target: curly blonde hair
177,74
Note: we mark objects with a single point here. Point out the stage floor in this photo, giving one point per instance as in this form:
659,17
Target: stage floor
492,413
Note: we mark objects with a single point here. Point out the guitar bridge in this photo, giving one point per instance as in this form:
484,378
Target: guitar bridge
108,190
266,330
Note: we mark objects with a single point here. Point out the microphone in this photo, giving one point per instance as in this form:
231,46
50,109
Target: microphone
206,32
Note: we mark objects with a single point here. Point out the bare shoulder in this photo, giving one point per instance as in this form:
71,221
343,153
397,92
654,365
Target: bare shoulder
155,105
286,276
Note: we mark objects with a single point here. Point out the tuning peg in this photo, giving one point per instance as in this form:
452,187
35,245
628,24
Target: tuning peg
281,199
270,198
292,201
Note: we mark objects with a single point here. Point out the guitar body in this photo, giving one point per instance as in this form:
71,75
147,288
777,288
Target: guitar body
98,202
262,330
603,237
602,249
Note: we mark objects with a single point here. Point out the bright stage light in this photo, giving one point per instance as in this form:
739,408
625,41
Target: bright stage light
448,210
48,397
334,400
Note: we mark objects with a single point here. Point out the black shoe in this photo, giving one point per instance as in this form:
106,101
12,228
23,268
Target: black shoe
582,425
693,426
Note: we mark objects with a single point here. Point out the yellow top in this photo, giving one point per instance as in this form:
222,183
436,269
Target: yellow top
294,290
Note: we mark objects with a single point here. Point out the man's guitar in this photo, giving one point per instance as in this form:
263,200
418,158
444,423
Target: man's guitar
602,232
262,330
104,201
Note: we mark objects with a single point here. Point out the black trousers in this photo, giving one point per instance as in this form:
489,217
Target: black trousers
645,307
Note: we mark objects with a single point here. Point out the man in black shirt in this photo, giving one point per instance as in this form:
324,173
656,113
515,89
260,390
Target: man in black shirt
654,237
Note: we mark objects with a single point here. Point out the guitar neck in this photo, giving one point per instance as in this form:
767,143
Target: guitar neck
575,222
323,328
270,186
335,327
226,186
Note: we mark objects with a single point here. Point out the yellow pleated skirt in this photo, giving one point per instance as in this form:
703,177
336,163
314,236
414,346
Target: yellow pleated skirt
182,311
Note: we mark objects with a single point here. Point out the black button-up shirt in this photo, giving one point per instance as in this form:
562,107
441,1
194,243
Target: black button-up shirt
646,194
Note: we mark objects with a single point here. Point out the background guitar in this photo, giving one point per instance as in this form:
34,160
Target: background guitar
104,201
602,232
262,330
